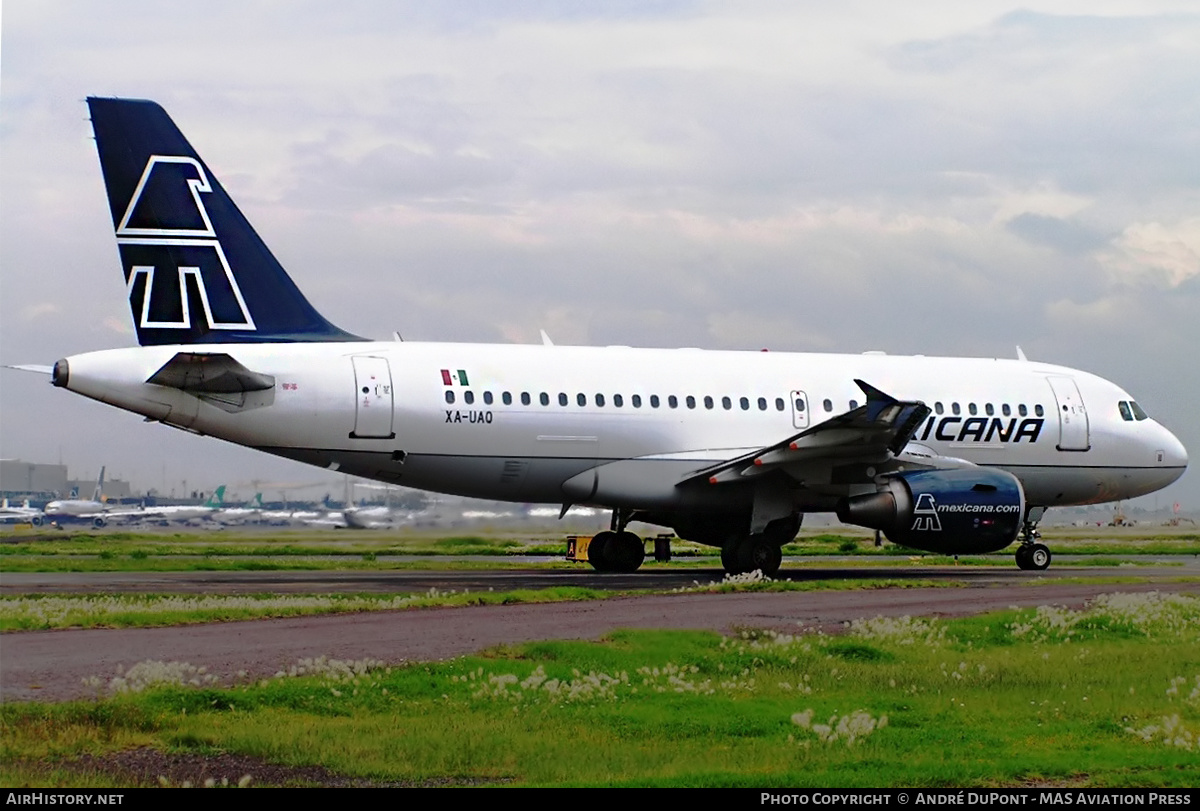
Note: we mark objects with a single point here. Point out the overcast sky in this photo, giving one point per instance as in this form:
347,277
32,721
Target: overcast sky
936,178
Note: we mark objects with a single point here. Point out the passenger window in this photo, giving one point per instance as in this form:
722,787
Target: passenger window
487,397
1138,413
507,398
1022,410
1041,412
691,401
581,399
726,403
708,401
673,401
636,401
600,400
779,404
654,401
545,398
1005,410
524,398
971,409
1126,414
745,404
468,397
954,409
800,404
987,409
938,408
853,404
618,400
828,405
762,403
450,396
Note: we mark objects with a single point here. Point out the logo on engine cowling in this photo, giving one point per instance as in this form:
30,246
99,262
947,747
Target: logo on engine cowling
171,251
925,516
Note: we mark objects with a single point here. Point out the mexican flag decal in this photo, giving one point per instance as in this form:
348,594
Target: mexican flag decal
455,378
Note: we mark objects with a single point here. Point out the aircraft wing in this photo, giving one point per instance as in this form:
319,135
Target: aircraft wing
872,434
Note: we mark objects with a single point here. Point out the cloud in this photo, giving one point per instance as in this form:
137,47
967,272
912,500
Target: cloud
1163,253
1067,236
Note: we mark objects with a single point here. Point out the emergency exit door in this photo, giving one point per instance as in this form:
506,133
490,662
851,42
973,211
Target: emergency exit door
373,398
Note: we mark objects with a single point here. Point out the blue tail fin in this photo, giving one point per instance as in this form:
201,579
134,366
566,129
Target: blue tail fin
195,269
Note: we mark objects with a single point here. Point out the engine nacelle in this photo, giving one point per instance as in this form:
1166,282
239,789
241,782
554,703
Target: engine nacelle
958,511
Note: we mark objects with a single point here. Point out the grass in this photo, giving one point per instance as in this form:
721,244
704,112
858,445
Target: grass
285,549
40,612
1109,696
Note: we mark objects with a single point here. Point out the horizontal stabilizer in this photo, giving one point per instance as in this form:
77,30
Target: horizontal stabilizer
209,373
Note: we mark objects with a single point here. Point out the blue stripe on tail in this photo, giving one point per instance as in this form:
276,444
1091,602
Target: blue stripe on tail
195,269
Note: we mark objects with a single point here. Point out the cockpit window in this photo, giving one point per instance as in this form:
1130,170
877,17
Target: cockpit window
1138,414
1126,414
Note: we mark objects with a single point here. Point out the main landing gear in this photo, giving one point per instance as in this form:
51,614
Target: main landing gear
747,553
617,550
1032,555
762,551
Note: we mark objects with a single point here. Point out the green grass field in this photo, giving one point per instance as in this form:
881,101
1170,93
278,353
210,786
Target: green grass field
1109,696
51,550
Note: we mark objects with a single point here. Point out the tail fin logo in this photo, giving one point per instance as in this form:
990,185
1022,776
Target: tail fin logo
170,251
925,516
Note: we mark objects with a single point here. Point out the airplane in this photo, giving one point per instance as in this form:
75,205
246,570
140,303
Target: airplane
23,514
180,513
99,513
251,513
95,510
730,449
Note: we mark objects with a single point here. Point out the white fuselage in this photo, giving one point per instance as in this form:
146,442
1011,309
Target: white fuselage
517,423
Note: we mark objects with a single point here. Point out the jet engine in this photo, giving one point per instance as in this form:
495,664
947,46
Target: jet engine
956,511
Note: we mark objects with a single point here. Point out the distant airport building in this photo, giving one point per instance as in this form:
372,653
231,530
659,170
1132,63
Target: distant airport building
32,480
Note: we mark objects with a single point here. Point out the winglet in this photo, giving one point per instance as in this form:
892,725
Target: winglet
877,400
546,338
1021,355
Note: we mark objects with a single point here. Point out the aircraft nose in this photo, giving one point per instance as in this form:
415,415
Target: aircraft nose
1170,452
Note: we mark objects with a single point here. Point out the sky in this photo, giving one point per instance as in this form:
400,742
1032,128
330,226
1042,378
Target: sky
940,178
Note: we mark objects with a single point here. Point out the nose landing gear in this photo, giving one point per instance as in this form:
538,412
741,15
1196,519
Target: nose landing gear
1032,555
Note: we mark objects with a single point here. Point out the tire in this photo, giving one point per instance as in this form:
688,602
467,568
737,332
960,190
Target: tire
1039,557
729,557
598,551
758,552
625,552
1022,556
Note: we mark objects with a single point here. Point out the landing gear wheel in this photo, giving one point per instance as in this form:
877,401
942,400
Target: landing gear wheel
1039,557
625,552
758,552
729,557
1023,557
598,551
1033,556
